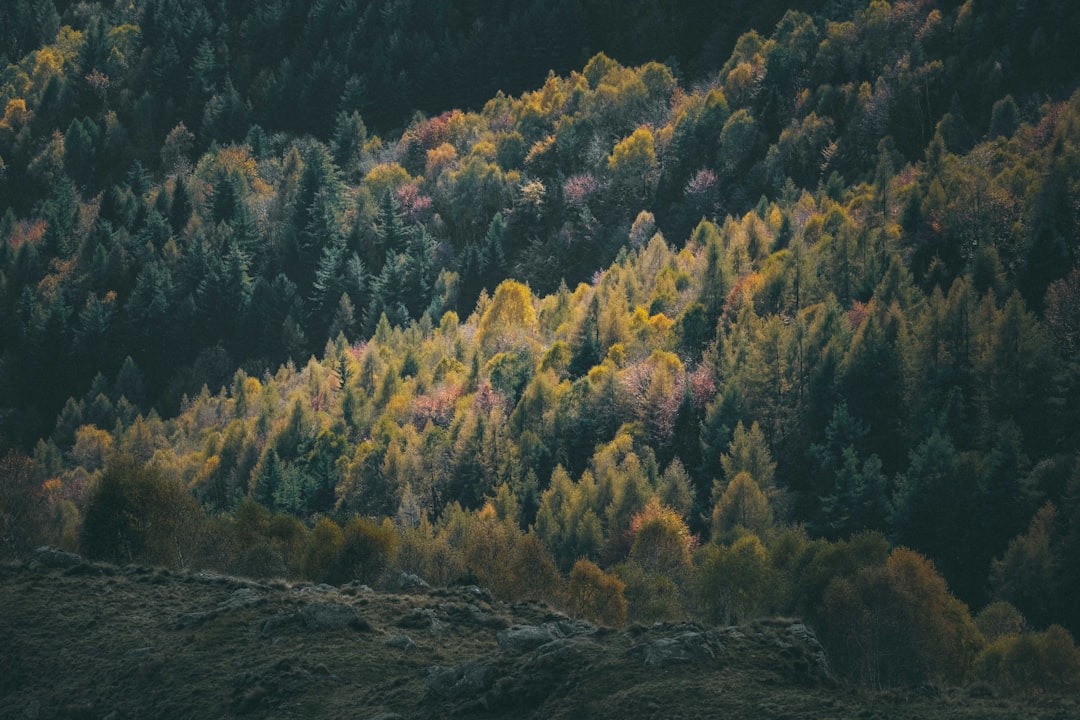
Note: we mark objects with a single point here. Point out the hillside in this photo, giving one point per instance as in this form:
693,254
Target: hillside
93,641
704,329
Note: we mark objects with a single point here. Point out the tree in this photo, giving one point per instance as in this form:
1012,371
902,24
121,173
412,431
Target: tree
749,453
1022,663
595,595
22,506
662,542
633,167
1026,575
135,514
587,349
735,582
509,320
367,549
742,507
897,624
1004,118
322,550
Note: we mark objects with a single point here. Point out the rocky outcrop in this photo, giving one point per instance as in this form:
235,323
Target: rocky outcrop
407,582
688,646
523,638
50,557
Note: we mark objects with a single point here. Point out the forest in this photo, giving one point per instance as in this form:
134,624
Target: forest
676,316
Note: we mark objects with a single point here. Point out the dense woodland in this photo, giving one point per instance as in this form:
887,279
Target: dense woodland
702,327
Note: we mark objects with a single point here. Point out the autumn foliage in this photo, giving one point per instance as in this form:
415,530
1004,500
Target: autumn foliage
788,329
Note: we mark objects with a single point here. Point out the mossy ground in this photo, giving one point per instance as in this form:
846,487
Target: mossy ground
96,641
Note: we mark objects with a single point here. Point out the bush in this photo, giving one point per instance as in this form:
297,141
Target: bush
999,620
322,550
22,507
735,582
596,596
896,624
651,596
135,514
1032,662
367,549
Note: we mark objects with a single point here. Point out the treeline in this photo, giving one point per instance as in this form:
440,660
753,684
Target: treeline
800,339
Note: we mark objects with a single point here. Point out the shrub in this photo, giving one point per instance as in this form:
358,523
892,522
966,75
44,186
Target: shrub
897,624
735,582
366,551
651,596
999,620
322,549
135,514
1032,662
595,595
22,506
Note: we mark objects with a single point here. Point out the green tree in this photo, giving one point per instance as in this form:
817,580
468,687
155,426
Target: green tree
367,549
22,506
322,550
749,453
742,507
135,514
1026,575
735,582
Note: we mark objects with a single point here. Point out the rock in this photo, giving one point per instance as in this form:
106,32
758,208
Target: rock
241,597
523,638
320,589
684,647
468,680
572,628
330,616
470,614
485,619
808,640
401,642
211,578
478,592
32,710
50,557
409,581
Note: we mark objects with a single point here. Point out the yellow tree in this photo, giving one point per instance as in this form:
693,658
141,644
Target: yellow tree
633,166
743,505
595,595
509,321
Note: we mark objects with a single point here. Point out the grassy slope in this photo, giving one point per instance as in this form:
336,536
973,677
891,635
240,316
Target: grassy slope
98,641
